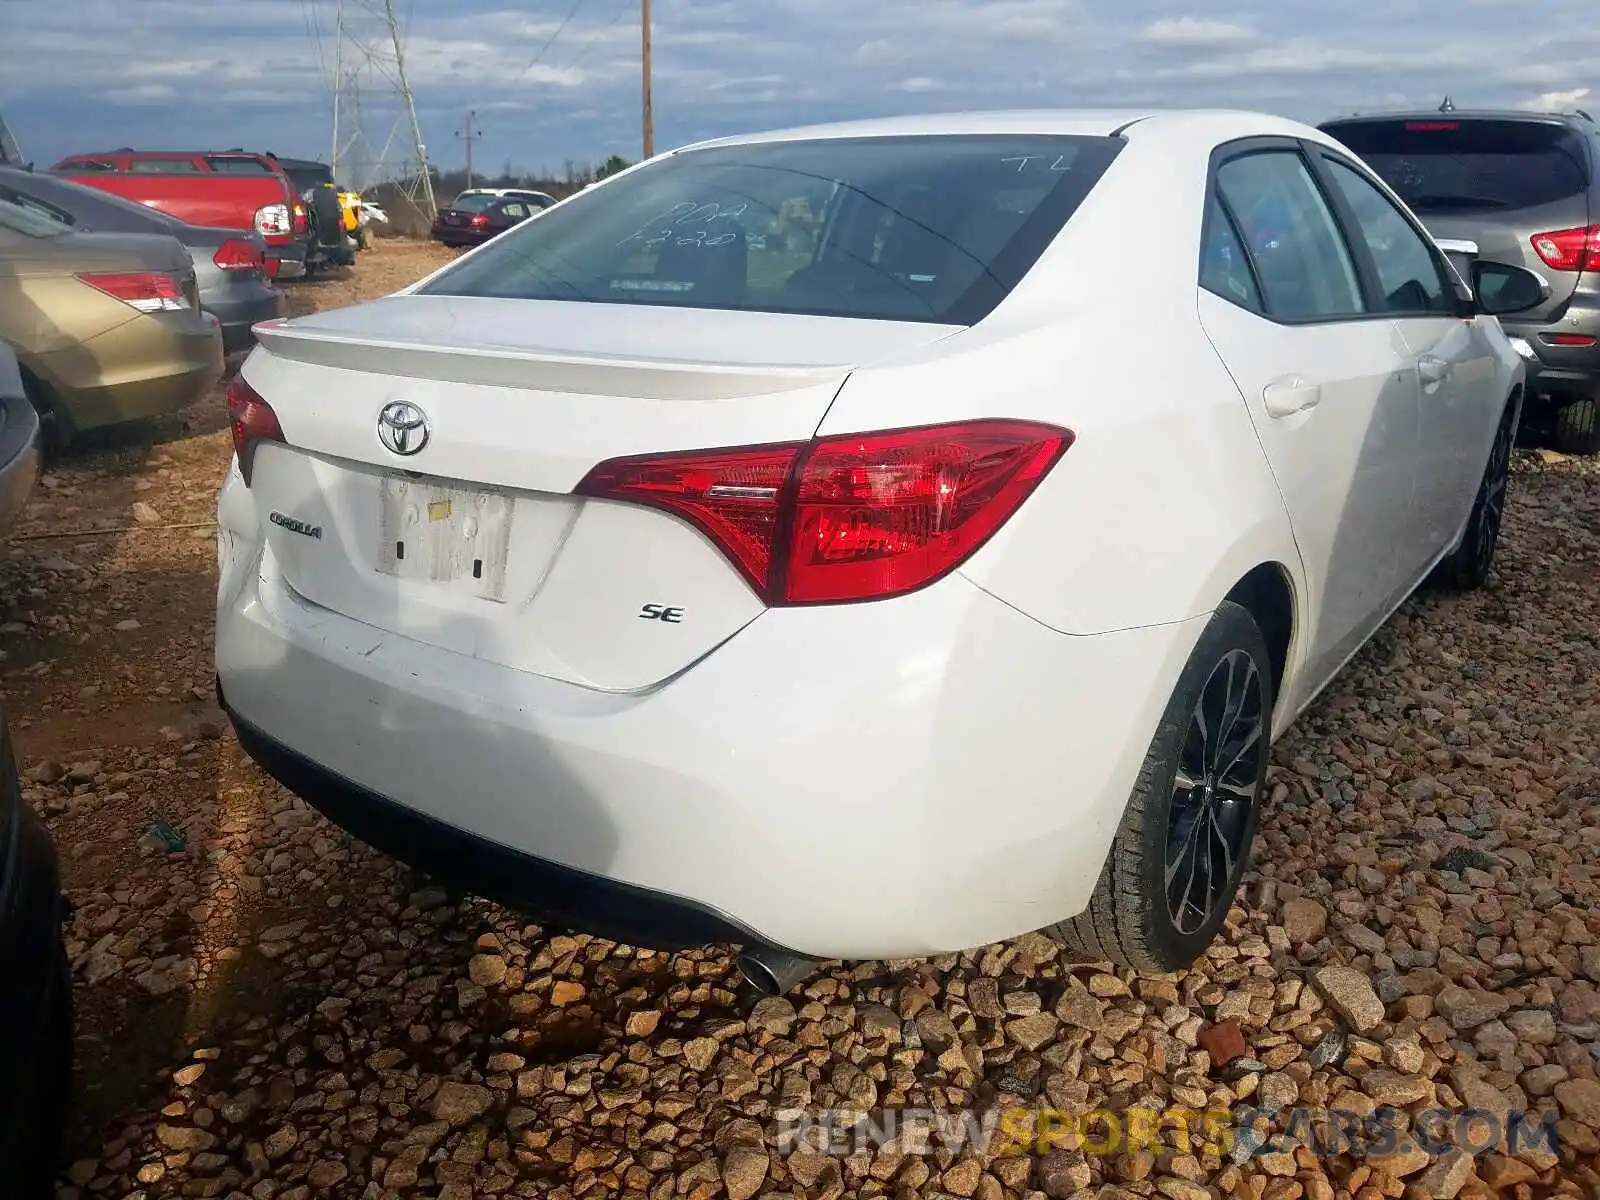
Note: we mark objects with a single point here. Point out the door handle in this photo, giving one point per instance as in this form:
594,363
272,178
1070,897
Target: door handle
1285,397
1433,370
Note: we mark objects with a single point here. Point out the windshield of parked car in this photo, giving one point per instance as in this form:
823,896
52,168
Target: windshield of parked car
1451,165
909,228
19,215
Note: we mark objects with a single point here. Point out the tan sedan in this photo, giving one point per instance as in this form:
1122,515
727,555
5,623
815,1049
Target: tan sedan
107,327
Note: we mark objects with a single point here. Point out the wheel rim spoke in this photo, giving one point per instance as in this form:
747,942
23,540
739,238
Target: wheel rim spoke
1215,787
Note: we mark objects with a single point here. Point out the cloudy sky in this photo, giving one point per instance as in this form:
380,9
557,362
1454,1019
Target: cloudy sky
557,80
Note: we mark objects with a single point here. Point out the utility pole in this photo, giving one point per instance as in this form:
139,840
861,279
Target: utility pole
649,113
469,136
431,209
338,84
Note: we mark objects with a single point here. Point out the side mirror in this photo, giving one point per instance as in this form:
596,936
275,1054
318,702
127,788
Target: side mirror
1502,289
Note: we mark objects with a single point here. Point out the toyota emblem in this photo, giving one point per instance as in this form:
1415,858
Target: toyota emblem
403,427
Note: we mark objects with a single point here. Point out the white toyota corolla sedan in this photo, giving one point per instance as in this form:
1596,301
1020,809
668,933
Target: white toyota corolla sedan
863,541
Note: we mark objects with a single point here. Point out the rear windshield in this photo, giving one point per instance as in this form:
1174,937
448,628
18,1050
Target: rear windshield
912,228
473,202
1447,165
19,215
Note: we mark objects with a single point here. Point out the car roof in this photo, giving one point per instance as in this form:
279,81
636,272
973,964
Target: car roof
1465,114
1133,123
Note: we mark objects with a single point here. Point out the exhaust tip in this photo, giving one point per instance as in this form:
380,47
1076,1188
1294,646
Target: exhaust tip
772,973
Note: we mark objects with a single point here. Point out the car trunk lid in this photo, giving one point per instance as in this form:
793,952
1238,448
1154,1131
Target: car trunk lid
473,541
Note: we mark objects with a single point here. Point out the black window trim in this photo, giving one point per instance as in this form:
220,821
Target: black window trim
1247,147
1371,280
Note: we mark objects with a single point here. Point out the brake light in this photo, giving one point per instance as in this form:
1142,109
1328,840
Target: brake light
849,518
252,420
236,254
478,220
1569,249
302,222
147,291
272,220
1432,126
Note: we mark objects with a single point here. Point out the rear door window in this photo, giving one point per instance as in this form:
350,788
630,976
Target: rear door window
1300,257
1448,165
933,228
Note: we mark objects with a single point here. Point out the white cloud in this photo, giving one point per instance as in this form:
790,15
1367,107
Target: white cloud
1548,101
916,84
1194,32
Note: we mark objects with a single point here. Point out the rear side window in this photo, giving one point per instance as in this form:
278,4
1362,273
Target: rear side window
1466,166
238,166
933,228
163,166
1224,267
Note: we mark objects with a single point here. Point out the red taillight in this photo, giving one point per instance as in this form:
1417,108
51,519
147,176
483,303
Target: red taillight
148,291
253,421
478,220
1569,249
302,221
236,254
857,517
1566,339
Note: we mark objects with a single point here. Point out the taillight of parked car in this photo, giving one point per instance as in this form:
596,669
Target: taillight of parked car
253,421
1569,249
302,218
478,220
847,518
236,254
147,291
273,220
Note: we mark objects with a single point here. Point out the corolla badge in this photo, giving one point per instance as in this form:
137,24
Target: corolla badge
403,427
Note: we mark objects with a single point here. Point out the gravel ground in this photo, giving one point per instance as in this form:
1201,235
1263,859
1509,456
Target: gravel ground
275,1011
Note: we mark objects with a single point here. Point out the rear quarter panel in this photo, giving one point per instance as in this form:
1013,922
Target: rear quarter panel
1165,499
227,201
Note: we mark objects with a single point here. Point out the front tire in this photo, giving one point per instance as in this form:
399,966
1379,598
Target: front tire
1185,837
1577,428
1467,567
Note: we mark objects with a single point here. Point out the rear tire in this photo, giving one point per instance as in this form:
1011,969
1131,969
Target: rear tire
1577,428
1184,840
49,1118
1467,567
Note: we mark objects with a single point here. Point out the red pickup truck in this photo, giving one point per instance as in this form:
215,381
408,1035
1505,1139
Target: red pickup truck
233,190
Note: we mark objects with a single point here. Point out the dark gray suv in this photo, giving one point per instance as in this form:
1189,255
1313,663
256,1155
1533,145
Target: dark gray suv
1520,188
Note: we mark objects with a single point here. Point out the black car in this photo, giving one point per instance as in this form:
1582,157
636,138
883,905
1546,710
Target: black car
330,243
36,1021
229,264
1520,188
476,216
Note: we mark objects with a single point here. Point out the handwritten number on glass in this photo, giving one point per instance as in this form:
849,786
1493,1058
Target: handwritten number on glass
1061,162
687,212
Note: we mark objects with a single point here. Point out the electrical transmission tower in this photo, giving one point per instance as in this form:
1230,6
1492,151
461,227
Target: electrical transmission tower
366,65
